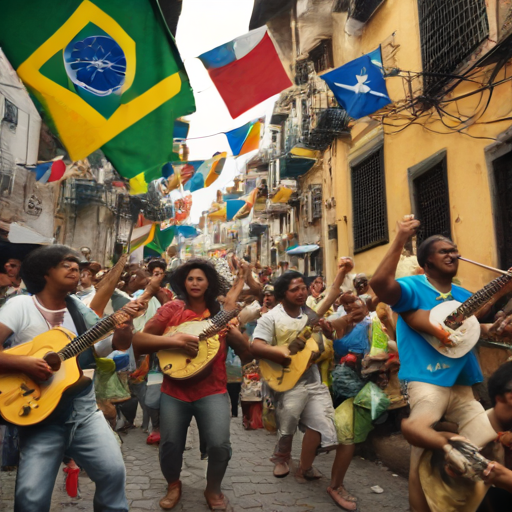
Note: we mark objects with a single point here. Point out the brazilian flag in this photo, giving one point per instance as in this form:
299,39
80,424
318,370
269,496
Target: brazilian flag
106,74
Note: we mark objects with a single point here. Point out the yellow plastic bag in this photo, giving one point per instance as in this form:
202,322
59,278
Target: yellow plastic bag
344,421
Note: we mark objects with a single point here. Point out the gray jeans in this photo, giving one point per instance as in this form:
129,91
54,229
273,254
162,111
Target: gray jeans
87,438
212,414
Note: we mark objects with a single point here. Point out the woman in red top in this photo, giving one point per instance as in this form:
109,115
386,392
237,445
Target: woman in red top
196,283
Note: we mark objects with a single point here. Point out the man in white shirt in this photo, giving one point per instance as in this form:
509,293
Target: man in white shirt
76,427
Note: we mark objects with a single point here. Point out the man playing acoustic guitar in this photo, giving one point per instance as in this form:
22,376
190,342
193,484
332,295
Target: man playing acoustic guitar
437,385
76,427
308,404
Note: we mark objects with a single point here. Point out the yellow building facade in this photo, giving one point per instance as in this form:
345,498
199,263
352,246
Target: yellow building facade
469,161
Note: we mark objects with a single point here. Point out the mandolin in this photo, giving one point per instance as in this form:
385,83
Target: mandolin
23,401
281,378
177,364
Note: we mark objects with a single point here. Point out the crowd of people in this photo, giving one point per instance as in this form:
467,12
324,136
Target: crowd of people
352,354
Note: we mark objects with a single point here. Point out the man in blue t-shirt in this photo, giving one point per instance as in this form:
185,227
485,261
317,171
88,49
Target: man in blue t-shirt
438,386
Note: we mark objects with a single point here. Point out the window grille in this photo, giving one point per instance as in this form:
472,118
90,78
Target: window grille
503,203
432,202
316,201
321,56
450,31
369,212
302,70
10,113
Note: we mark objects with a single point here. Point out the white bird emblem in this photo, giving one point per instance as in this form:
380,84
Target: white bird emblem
361,87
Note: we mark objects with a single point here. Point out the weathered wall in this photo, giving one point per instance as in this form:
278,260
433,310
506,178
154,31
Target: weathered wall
29,196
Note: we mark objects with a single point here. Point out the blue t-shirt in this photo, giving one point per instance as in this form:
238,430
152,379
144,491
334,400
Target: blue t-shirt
356,341
419,361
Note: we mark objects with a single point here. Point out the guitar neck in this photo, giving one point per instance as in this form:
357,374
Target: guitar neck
94,334
475,302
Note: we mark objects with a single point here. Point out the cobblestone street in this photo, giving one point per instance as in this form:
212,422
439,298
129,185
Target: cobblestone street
249,483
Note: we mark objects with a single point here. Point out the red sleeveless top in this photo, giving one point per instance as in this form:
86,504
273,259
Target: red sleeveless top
212,381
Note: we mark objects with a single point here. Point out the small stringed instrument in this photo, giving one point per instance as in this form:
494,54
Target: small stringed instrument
179,365
23,401
451,327
281,378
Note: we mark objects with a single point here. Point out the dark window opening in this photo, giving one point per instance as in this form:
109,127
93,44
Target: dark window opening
321,56
432,202
450,31
316,201
10,113
370,218
502,168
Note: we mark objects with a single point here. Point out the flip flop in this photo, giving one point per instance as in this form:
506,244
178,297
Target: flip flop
342,502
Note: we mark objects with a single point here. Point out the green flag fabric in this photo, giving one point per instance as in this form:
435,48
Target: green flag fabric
105,73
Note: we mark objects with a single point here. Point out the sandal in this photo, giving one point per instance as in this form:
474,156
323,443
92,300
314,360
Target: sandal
346,503
220,504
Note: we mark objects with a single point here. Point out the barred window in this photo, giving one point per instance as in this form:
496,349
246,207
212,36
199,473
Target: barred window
502,169
321,56
450,31
10,113
432,202
369,212
316,201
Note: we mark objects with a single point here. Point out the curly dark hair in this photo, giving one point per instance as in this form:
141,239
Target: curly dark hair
37,264
500,382
157,263
282,283
178,277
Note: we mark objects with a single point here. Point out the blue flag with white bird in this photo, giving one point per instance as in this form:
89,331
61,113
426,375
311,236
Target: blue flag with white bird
359,85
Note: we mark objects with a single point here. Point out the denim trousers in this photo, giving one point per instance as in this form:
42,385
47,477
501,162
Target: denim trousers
85,437
212,414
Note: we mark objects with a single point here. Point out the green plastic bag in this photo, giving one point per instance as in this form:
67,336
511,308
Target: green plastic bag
379,339
362,424
372,398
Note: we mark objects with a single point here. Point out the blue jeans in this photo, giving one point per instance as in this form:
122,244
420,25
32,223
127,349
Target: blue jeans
85,437
213,419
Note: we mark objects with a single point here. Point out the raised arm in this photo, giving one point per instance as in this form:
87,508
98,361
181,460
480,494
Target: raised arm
324,305
383,281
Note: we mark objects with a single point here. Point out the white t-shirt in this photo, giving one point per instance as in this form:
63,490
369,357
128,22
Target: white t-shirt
21,315
277,327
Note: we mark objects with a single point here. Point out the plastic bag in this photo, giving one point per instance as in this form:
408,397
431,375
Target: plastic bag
269,415
233,366
107,383
379,339
344,421
372,398
252,412
345,382
362,423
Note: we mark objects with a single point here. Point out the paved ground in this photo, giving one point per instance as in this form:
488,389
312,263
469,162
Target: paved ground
248,484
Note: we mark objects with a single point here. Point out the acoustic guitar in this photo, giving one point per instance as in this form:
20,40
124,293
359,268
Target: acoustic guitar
179,365
23,401
452,327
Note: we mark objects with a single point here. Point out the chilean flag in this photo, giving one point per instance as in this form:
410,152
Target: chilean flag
246,71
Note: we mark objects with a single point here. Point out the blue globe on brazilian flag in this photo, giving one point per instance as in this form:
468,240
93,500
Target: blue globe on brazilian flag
106,74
